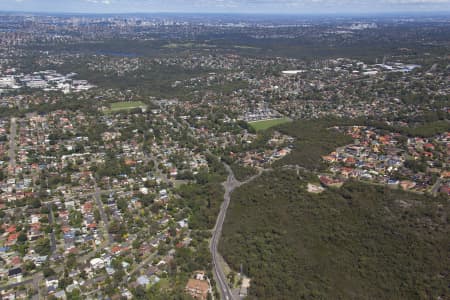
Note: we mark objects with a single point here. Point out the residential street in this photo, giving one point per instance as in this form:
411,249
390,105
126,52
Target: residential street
51,220
98,201
12,145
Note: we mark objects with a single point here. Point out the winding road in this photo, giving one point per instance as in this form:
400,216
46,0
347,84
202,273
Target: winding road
230,185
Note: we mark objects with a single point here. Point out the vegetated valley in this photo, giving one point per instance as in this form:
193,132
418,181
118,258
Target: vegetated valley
358,242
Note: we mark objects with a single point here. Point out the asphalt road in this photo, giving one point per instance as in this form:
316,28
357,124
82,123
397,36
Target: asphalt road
98,200
12,145
13,285
143,264
436,187
52,234
230,184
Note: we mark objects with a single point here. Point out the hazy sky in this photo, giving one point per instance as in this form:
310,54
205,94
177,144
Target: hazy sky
235,6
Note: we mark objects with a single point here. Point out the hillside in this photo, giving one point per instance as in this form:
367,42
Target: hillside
359,242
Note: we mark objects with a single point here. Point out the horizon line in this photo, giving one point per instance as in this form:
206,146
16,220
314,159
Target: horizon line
379,13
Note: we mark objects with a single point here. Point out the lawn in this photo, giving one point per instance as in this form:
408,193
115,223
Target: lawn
128,105
266,124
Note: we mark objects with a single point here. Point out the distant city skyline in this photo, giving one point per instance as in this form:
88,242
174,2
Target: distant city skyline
226,6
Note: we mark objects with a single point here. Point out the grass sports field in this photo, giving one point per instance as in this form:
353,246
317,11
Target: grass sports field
128,105
265,124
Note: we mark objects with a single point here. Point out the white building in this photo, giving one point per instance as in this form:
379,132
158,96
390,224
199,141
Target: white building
7,82
97,263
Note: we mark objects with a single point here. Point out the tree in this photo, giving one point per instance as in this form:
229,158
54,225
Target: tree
71,262
97,215
42,246
29,266
75,218
202,177
75,295
139,292
122,204
47,271
22,238
34,202
136,244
